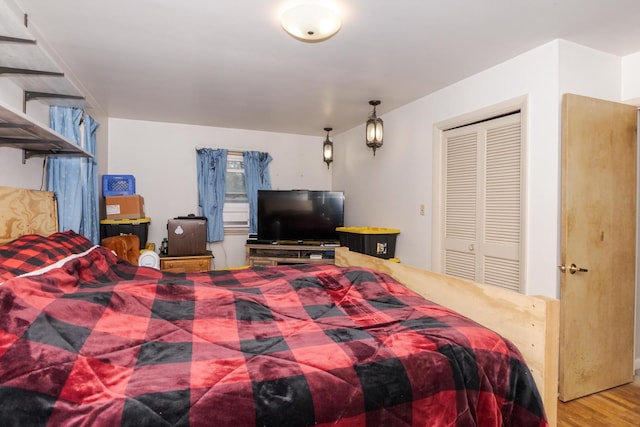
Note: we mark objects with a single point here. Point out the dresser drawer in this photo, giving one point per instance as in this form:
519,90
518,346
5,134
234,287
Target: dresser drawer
186,264
262,262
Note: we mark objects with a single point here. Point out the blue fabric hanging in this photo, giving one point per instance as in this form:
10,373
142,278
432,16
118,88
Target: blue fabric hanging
74,180
90,224
64,174
212,179
256,177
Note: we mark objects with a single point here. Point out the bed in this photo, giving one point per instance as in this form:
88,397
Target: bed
88,339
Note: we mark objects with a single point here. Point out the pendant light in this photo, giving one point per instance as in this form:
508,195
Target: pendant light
374,128
327,148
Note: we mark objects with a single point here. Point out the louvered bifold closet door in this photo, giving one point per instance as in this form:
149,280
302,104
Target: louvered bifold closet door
483,202
460,204
503,203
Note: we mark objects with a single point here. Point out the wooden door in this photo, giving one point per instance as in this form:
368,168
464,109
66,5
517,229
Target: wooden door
599,235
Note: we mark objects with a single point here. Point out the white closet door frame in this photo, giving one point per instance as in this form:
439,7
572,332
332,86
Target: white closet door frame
518,104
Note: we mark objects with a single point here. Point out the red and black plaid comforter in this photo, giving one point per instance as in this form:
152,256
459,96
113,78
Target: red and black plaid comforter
101,342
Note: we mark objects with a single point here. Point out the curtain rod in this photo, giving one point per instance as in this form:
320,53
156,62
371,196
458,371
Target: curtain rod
232,152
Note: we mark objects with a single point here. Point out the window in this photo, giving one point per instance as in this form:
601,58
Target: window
236,204
235,177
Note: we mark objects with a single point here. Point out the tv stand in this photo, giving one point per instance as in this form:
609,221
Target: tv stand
270,254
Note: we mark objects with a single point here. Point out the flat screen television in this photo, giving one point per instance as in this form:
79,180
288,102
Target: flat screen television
299,215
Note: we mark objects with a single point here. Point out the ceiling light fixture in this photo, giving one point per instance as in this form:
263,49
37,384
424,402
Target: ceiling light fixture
327,148
311,22
374,128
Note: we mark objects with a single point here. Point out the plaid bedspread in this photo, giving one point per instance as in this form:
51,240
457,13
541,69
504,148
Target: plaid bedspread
99,342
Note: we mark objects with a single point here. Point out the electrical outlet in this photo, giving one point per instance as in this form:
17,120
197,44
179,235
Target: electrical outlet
422,209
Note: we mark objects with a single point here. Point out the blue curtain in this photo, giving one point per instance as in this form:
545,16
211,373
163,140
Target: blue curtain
256,177
64,174
74,180
90,224
212,179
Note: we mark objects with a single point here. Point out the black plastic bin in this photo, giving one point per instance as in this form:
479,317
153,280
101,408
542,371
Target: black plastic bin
116,227
374,241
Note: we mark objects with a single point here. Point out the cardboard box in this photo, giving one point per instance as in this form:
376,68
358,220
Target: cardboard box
125,207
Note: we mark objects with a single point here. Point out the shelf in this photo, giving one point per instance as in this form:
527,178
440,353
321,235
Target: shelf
17,130
265,255
25,61
28,65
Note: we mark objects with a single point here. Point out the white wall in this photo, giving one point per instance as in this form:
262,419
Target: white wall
589,72
162,158
631,78
400,176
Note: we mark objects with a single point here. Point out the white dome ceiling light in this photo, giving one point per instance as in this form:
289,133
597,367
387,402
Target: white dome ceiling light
311,22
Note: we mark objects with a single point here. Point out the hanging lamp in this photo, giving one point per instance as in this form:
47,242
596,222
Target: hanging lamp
374,128
327,148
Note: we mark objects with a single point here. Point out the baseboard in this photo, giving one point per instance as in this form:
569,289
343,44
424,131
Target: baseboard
637,369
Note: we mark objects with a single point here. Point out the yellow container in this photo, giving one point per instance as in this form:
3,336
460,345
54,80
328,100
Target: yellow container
368,230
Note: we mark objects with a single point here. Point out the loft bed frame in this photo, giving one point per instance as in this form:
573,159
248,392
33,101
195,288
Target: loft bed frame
530,322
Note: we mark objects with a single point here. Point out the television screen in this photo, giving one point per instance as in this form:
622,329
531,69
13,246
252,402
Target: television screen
300,215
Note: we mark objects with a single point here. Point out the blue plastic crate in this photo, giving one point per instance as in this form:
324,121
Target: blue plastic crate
118,185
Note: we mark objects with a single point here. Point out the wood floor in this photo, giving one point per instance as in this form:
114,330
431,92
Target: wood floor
618,407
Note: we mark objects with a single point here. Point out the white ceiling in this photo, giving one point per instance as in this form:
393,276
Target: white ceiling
229,64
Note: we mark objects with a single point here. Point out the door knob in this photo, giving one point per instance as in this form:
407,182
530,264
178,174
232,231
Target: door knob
573,269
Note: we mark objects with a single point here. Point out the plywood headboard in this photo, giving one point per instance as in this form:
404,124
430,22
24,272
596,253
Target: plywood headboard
25,211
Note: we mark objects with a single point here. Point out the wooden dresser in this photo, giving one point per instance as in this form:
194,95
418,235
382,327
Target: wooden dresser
186,264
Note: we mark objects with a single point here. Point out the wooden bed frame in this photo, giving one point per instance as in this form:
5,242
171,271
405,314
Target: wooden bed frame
530,322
